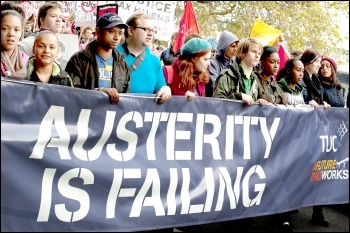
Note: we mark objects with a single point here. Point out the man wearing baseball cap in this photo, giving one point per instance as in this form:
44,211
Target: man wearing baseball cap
99,66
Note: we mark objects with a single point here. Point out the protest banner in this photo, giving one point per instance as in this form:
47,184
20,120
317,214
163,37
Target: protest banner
71,161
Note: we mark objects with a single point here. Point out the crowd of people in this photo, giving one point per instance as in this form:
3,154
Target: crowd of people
116,57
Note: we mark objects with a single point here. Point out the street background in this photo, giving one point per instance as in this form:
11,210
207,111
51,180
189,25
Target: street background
337,215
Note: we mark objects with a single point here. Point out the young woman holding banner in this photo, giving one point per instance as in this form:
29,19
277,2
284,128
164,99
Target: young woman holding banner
189,71
268,88
333,92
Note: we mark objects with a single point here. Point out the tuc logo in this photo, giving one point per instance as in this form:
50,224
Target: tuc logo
331,169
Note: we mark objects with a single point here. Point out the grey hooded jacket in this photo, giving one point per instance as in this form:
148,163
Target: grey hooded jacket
219,61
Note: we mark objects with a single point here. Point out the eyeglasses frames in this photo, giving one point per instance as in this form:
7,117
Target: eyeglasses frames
148,30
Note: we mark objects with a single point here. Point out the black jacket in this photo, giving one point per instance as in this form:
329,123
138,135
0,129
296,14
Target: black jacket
83,68
58,76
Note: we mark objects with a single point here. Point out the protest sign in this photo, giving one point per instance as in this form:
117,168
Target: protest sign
68,46
67,9
27,7
160,12
83,19
266,34
88,6
107,8
35,6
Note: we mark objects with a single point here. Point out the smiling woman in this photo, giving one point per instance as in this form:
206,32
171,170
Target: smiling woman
42,66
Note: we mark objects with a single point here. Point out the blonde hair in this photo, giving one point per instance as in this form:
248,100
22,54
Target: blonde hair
244,46
133,20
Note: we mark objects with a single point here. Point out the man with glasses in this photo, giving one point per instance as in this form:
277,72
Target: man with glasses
146,74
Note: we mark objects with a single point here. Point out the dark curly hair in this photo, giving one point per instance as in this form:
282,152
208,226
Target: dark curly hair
12,6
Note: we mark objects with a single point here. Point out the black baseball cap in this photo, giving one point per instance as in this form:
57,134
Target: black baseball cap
110,20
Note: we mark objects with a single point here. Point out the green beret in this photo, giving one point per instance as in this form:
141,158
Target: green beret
194,45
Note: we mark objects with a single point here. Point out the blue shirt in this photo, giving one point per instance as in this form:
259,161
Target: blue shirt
148,77
105,70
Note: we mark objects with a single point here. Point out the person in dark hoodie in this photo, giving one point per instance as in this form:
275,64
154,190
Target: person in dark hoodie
226,51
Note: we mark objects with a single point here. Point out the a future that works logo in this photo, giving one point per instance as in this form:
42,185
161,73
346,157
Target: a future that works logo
331,169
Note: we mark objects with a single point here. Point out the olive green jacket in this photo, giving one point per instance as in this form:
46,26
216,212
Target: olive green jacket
229,83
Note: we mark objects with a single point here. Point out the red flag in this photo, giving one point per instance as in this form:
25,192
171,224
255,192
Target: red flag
283,56
188,25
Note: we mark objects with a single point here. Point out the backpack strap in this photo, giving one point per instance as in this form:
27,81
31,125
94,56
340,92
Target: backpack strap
137,62
201,89
168,74
131,68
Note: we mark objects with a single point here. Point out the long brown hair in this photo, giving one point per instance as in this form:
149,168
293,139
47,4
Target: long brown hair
189,78
333,80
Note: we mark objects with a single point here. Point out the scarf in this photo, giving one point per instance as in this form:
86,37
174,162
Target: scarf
332,83
14,64
313,84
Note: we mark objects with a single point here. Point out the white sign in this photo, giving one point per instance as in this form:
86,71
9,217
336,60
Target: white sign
68,46
35,6
84,19
68,8
161,13
89,6
27,7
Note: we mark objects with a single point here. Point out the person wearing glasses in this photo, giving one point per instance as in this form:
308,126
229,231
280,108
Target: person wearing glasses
99,66
147,75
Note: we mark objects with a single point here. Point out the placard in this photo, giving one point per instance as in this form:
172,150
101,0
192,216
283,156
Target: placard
68,9
27,7
88,6
108,8
35,6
